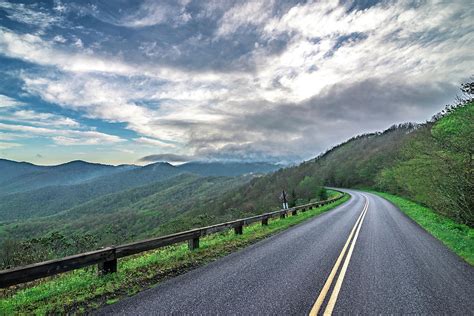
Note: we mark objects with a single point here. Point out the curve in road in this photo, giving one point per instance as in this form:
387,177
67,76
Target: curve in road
388,264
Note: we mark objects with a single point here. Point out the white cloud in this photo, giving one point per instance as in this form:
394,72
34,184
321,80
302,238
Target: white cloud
29,14
33,49
4,145
69,141
44,119
153,142
244,15
12,136
154,13
59,7
78,43
65,136
6,101
60,39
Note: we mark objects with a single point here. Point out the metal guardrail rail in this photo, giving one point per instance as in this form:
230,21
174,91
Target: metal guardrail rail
106,258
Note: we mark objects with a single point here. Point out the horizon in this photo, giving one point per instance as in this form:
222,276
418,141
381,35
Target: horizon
147,160
174,164
255,81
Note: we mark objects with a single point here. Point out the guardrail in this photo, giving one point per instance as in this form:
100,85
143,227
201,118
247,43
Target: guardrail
106,258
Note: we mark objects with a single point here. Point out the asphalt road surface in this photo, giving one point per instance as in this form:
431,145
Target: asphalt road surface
363,257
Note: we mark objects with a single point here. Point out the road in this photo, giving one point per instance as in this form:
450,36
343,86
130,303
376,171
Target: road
364,257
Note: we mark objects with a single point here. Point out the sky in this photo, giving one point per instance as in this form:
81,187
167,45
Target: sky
278,81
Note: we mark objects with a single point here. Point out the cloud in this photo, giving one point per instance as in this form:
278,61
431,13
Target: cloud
70,141
254,80
154,13
78,43
153,142
29,14
250,13
60,39
6,101
65,136
4,145
167,157
32,48
12,136
42,119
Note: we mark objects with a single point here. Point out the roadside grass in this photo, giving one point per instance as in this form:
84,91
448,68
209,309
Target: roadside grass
82,290
457,237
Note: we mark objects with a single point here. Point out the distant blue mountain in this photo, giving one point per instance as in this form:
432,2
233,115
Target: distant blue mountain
23,176
29,190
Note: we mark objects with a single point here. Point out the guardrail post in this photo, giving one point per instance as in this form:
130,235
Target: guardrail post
294,212
282,215
108,266
303,209
264,221
239,230
193,243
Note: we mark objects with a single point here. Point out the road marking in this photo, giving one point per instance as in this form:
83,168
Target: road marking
319,302
340,279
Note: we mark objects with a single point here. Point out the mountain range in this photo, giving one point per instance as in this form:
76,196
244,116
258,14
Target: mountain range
23,176
31,191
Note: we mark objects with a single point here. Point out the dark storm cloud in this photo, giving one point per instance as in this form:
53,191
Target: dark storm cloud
166,157
291,131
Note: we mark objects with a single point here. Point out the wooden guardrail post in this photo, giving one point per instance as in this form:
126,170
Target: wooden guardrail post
303,209
193,243
282,215
294,212
108,266
265,221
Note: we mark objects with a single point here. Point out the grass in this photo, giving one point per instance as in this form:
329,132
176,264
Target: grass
457,237
82,290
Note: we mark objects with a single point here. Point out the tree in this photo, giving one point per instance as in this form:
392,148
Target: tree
292,199
308,188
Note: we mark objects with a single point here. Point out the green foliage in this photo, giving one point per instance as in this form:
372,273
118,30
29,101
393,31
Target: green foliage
308,188
323,194
436,166
14,253
125,216
458,237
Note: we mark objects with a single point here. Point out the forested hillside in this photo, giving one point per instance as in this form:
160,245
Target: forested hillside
115,218
42,193
435,166
430,163
22,177
127,204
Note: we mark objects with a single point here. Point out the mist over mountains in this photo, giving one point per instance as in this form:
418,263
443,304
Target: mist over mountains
33,191
23,176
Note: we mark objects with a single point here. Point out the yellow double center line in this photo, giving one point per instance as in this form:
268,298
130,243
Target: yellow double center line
335,292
